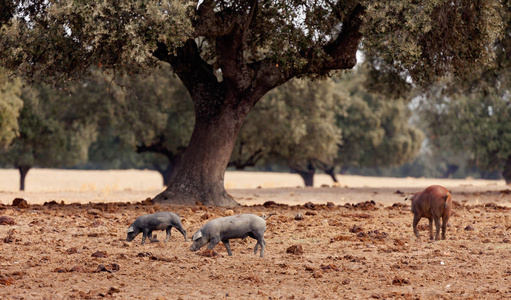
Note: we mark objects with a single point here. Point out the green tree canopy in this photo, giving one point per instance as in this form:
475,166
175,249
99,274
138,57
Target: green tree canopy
10,106
477,123
54,131
155,116
293,125
318,125
420,42
476,120
376,130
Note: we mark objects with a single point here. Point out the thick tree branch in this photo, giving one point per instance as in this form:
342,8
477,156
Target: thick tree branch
197,75
248,22
156,148
229,29
211,24
344,49
187,64
230,50
249,162
342,52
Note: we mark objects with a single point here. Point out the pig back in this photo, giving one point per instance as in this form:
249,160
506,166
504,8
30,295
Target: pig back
237,226
159,220
432,201
441,201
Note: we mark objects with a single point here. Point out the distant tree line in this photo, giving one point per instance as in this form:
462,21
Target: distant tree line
313,125
337,125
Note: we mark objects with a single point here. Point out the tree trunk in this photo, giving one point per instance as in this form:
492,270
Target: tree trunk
331,171
199,175
173,158
344,170
170,168
506,173
308,178
23,174
451,169
165,173
307,174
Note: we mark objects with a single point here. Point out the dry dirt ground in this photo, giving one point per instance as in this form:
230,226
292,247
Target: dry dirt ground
351,248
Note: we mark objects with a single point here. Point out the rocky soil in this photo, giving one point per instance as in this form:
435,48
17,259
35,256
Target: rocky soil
361,250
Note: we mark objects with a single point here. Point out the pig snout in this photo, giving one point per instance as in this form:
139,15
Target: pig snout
198,241
197,244
132,233
194,247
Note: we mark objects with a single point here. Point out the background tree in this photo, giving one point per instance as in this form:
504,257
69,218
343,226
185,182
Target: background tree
154,116
477,120
292,125
222,52
108,152
10,106
441,163
150,115
376,130
477,123
53,132
420,43
299,124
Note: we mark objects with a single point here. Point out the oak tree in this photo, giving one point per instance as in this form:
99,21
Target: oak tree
10,106
230,53
154,116
54,131
376,128
476,119
293,125
477,123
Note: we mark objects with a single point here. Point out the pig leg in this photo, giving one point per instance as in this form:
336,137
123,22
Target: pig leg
151,238
430,228
261,242
416,219
437,227
168,234
445,220
145,233
255,238
212,242
183,232
228,247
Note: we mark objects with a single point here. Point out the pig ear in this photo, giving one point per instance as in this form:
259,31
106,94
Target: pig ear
197,235
130,229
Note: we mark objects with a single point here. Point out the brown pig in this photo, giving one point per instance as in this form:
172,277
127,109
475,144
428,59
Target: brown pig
434,202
